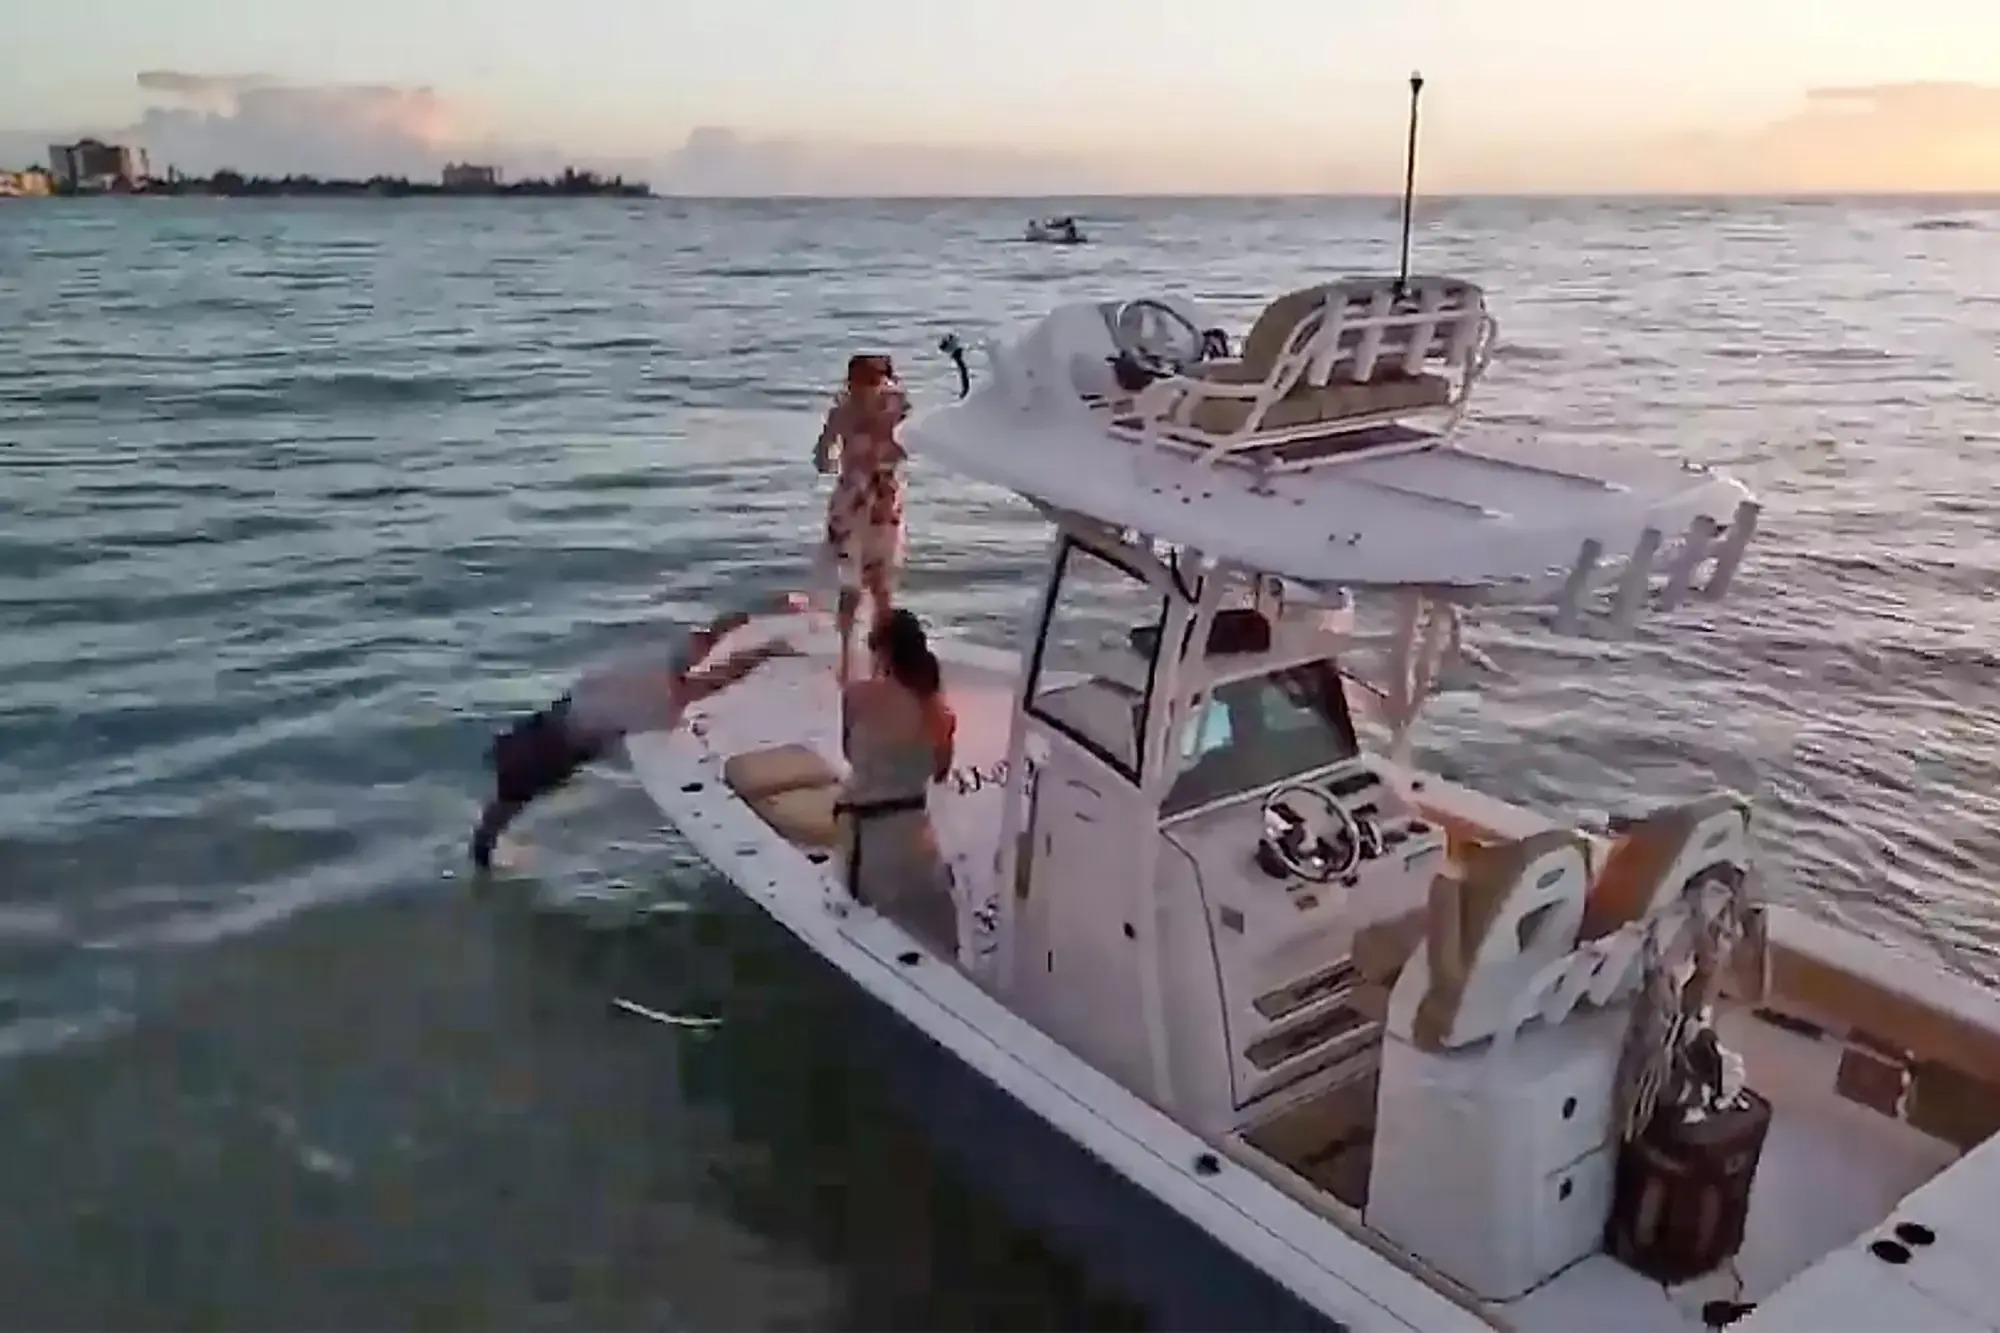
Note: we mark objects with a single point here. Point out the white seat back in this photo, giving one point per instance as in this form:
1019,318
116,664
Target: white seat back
1513,911
1365,330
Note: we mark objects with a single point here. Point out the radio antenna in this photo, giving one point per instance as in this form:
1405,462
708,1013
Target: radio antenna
1409,184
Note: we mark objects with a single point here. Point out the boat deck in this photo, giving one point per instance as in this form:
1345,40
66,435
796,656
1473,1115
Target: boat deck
798,703
1933,1264
1831,1170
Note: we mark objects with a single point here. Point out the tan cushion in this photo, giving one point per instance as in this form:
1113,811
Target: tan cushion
1501,886
1340,400
1380,949
1628,887
1949,1104
759,773
1271,335
1229,372
802,816
1825,989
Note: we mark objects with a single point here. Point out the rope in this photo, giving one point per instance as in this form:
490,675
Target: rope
1659,1063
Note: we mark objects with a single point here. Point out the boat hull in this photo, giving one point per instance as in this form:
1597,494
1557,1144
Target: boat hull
1124,1238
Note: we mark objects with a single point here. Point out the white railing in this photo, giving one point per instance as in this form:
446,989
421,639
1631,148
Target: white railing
1657,573
1340,341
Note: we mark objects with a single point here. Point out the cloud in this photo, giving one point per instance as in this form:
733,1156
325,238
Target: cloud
259,124
719,160
1920,135
255,123
202,85
1942,137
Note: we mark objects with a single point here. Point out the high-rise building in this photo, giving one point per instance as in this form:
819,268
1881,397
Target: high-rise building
467,176
90,164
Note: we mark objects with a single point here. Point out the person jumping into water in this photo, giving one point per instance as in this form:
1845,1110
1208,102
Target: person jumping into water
540,753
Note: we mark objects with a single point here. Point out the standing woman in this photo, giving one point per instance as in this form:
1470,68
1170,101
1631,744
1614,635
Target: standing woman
864,517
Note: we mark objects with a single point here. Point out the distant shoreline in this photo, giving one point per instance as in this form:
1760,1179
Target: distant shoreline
308,187
232,185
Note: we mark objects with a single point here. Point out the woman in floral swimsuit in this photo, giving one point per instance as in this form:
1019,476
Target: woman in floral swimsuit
864,517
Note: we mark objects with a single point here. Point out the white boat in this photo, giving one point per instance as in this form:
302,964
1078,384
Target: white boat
1054,231
1278,1029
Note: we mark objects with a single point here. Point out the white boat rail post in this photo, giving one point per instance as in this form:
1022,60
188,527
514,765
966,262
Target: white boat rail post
1635,584
1577,587
1400,691
1214,576
1484,334
1429,639
1660,573
1440,647
1742,527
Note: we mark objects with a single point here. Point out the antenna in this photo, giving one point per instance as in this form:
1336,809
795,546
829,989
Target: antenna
1409,184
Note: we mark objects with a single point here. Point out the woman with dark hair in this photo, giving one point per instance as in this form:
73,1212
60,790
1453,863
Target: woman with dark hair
898,733
864,516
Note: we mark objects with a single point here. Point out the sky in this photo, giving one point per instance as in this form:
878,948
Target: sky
1033,96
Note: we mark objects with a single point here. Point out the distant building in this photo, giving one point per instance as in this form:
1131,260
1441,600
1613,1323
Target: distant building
466,176
89,164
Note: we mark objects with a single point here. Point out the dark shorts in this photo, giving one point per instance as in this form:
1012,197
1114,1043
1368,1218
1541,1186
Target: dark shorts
539,754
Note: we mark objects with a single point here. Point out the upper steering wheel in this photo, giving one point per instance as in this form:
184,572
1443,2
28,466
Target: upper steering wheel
1309,833
1156,337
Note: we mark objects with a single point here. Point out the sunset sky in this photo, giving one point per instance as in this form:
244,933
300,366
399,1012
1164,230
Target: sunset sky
951,96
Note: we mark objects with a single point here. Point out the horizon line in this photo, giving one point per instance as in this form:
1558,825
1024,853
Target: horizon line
1983,196
1991,194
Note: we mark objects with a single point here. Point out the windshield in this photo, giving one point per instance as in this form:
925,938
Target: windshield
1251,734
1094,668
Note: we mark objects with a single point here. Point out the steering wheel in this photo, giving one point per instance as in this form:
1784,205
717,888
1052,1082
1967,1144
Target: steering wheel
1309,834
1156,337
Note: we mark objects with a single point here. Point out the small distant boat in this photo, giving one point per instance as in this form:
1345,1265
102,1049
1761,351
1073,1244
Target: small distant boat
1054,231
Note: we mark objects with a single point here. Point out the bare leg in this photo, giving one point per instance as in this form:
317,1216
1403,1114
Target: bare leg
848,607
879,595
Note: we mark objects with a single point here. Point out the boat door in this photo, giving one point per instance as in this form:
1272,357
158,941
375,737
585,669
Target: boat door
1088,698
1078,882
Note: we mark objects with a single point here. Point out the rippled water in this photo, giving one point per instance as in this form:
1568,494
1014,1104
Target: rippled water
295,499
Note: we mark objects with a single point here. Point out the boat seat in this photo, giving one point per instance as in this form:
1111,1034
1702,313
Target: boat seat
1652,859
1339,401
1276,331
1338,352
1462,836
790,787
1512,909
1379,951
1382,947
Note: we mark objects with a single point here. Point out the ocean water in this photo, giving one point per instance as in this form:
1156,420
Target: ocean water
298,499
